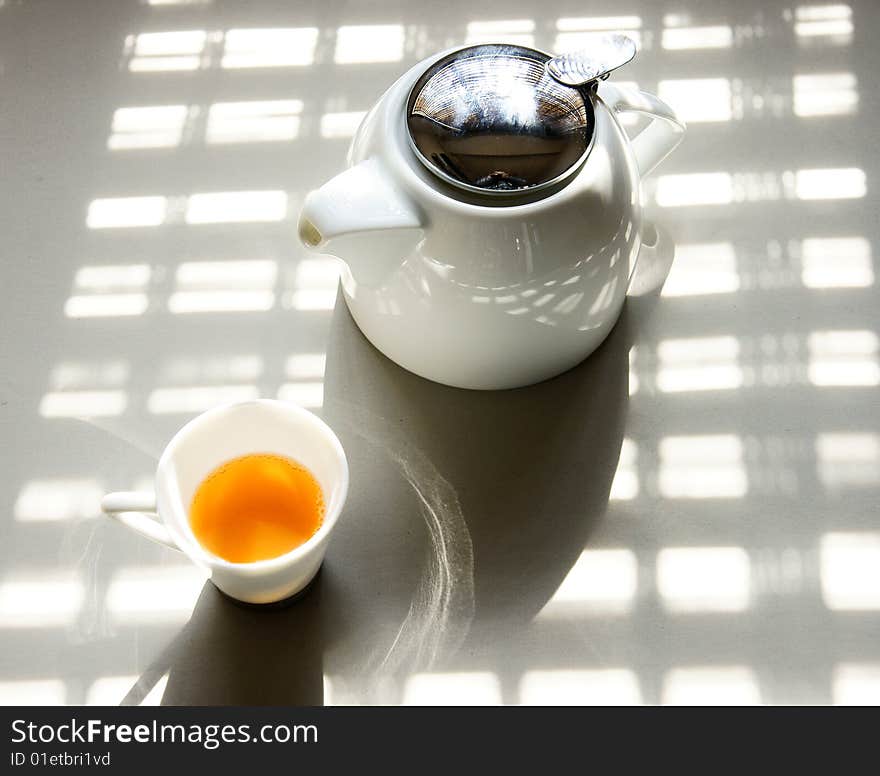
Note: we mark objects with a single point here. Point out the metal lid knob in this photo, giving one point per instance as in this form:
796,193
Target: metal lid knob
502,119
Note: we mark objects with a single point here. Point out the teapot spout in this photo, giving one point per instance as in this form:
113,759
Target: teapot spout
361,217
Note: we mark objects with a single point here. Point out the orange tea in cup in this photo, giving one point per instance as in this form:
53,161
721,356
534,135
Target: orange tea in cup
256,507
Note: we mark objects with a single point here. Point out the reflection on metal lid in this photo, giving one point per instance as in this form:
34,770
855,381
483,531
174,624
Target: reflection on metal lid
490,119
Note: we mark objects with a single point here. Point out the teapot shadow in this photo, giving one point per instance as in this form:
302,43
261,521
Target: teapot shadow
529,470
531,467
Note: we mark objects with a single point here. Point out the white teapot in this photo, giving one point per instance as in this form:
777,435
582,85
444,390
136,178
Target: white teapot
490,220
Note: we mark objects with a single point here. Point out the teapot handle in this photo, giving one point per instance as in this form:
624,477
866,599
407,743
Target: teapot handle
660,137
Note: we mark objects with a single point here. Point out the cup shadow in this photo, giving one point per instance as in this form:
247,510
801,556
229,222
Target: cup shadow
232,654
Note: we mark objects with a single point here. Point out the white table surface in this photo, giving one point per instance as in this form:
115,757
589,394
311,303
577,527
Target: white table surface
690,516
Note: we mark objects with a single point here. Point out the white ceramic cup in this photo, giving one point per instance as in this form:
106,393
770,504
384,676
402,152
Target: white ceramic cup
211,439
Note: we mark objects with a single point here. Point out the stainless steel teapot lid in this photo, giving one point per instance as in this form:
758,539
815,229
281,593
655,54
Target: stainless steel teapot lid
503,119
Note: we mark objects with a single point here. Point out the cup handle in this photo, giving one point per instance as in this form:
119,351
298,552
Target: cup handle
660,138
137,510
